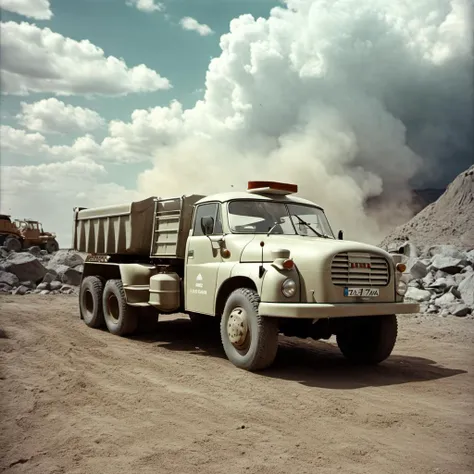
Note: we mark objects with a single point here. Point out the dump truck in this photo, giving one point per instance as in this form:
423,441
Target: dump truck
254,264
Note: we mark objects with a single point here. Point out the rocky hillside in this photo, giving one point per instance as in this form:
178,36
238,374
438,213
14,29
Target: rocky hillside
447,221
36,271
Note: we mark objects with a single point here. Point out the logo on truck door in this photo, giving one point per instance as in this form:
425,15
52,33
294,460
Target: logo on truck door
199,285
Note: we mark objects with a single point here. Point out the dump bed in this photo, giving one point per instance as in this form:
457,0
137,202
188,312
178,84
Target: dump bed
156,227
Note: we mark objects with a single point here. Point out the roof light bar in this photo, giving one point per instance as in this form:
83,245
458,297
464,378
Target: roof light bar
271,187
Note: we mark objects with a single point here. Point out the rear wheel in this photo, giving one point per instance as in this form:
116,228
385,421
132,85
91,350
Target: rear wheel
90,301
250,341
120,318
12,244
51,246
370,340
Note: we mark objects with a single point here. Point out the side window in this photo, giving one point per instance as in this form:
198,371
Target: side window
208,210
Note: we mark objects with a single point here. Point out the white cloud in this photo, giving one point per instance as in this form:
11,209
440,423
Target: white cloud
348,99
39,60
191,24
19,141
147,6
53,116
37,9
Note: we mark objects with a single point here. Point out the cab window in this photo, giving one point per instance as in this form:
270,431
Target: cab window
208,210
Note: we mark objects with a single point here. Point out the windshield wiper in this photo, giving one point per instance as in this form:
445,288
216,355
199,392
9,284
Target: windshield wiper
314,230
272,227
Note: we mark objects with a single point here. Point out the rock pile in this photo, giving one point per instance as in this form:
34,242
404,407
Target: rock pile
448,220
440,278
36,271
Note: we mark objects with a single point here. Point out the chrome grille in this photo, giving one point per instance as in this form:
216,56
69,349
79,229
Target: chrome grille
359,268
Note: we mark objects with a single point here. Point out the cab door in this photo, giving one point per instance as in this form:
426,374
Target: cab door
203,259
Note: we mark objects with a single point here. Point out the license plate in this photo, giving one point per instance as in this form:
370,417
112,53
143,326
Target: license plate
364,292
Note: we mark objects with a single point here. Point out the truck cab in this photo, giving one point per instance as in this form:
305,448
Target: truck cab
261,262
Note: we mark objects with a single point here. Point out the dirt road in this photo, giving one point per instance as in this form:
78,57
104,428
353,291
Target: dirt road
78,400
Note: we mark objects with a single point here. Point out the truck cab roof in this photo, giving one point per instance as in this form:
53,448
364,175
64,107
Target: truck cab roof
230,196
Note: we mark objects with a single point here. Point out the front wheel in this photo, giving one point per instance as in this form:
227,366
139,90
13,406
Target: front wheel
120,318
250,341
51,246
370,340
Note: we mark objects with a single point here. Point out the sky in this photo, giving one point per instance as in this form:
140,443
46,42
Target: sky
107,101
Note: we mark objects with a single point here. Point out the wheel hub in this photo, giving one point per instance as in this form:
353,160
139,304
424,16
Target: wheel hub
237,327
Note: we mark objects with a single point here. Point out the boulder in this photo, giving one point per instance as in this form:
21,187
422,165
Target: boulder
9,278
44,292
50,276
25,266
445,300
43,286
5,288
417,268
3,252
447,251
447,264
71,277
20,290
69,258
466,290
29,284
460,310
417,294
55,285
35,250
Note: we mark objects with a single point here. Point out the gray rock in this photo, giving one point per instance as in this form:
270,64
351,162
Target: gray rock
20,290
445,300
414,283
55,285
71,277
50,276
44,253
9,278
417,294
461,310
65,288
25,266
3,252
43,286
68,292
467,269
428,279
35,250
5,288
417,268
447,264
432,309
44,292
79,268
69,258
29,284
470,256
466,290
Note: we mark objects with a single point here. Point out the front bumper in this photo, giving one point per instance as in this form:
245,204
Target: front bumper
328,310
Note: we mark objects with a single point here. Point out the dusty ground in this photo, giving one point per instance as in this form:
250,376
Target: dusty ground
77,400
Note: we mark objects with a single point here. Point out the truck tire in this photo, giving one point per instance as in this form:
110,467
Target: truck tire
120,318
90,301
369,342
250,341
12,244
51,246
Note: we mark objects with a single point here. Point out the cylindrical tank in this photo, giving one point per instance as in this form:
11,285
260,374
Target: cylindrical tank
165,291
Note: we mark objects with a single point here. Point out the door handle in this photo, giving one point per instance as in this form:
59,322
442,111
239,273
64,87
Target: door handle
191,253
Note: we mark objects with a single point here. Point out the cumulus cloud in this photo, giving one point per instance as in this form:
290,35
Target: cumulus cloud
53,116
350,100
191,24
37,9
39,60
147,6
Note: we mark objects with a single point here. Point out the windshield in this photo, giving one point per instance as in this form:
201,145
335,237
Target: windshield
262,217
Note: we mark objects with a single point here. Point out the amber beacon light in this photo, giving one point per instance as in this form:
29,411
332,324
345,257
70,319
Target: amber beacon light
271,187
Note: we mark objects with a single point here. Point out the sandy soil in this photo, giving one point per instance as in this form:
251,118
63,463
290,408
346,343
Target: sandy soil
78,400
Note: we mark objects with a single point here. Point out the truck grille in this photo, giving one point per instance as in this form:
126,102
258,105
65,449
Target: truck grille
357,268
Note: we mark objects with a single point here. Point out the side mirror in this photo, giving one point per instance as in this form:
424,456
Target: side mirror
340,235
207,225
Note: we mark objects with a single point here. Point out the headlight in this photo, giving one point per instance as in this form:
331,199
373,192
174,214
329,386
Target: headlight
288,288
402,287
